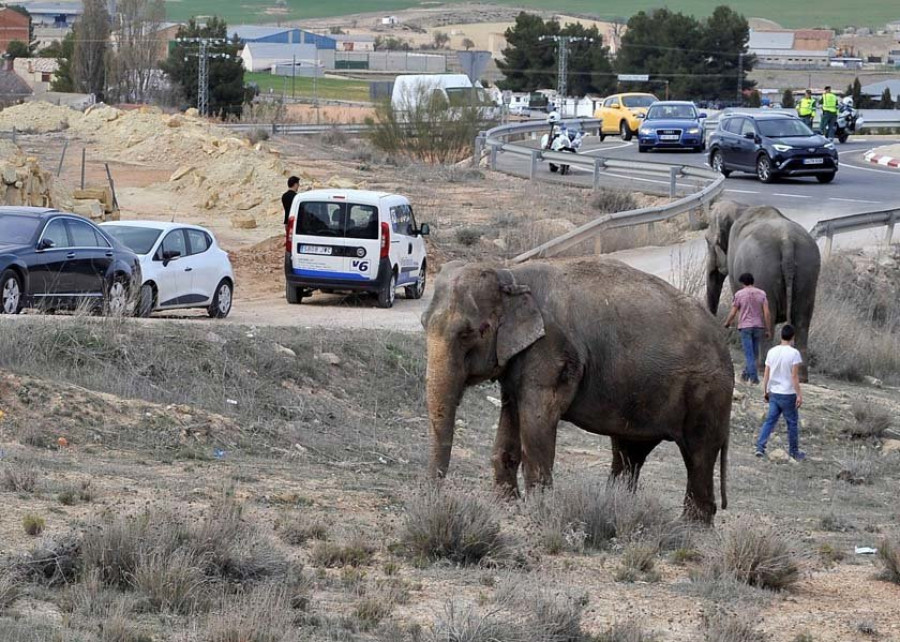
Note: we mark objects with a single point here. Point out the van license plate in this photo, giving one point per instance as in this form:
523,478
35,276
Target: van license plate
813,161
314,249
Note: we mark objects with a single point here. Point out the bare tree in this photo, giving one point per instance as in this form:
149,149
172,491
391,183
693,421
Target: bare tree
91,43
134,65
468,43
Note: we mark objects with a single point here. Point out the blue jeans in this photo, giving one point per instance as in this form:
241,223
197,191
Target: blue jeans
751,339
781,405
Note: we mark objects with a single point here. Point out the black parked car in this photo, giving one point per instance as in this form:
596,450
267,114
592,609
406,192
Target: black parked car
54,260
771,145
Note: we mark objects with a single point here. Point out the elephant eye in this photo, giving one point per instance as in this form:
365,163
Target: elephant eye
466,332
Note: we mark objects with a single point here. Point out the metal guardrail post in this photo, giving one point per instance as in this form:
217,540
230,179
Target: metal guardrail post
535,156
829,240
494,149
889,232
599,163
479,148
673,178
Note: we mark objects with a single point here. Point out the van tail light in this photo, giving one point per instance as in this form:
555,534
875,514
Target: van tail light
385,240
289,235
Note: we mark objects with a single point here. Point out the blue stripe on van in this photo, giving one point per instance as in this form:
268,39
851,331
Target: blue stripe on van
321,274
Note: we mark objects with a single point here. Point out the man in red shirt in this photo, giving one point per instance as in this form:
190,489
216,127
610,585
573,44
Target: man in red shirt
752,309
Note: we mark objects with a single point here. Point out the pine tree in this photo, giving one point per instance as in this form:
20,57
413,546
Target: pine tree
787,98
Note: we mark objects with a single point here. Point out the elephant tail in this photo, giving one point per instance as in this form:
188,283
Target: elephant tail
723,467
788,267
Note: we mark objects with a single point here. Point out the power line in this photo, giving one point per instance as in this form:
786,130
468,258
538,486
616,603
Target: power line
562,43
203,57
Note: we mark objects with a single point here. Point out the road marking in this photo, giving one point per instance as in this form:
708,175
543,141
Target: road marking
607,149
884,172
790,195
850,200
742,191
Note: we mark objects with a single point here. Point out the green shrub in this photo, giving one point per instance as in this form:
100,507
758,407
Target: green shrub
33,524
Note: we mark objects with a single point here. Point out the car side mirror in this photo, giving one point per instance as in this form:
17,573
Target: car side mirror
425,230
702,115
170,255
750,135
46,244
640,116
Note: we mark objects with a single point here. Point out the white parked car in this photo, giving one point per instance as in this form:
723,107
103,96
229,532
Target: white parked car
354,240
182,266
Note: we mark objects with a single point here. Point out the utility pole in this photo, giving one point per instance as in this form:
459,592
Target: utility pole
203,57
563,60
740,83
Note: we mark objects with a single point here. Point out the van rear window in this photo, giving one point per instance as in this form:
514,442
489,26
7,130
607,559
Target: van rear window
338,220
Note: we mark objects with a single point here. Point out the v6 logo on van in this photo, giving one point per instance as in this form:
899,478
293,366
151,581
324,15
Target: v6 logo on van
361,266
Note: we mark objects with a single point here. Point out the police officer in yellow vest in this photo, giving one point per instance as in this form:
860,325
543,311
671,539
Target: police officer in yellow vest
807,109
829,114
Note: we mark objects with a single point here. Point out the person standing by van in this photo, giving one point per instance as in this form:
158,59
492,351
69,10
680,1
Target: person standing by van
781,386
287,199
751,306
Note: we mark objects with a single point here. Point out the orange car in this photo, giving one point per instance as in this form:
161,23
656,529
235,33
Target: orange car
622,113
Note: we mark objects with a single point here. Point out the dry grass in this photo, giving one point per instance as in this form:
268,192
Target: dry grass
297,527
356,551
733,628
442,523
872,419
33,524
628,631
859,466
689,273
889,558
756,555
609,201
18,477
262,614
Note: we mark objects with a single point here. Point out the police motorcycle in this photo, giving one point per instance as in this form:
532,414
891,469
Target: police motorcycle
849,121
561,139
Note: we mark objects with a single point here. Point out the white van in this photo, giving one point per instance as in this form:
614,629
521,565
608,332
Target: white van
354,240
456,89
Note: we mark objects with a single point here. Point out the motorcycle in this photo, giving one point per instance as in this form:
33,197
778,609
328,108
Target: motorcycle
565,140
849,121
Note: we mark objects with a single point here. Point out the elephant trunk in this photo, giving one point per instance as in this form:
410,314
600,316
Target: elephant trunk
444,385
714,282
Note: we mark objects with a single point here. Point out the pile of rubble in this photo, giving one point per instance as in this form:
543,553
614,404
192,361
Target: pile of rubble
22,181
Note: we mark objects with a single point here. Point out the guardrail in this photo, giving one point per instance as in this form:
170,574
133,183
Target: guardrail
496,141
855,222
288,129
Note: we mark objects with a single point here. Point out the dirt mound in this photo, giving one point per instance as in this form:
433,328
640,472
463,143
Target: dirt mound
37,118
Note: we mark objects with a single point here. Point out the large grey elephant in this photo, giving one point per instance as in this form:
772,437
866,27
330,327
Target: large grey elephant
594,342
782,257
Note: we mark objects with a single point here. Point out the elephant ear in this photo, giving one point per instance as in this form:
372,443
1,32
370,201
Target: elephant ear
721,261
521,323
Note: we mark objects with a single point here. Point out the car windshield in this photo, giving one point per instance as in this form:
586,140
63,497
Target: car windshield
17,229
139,240
677,112
341,220
638,101
783,128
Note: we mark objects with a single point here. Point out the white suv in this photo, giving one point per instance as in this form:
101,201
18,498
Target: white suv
353,240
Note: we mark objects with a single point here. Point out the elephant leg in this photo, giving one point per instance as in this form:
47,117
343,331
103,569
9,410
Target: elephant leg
800,341
699,499
507,449
629,457
539,416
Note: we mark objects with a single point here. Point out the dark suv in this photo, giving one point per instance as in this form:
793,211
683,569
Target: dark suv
771,146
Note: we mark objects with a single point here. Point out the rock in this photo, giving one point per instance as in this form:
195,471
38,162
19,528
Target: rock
887,262
550,228
778,455
890,446
737,395
91,208
500,243
212,337
873,381
243,222
249,203
9,174
181,172
341,183
191,112
280,349
330,358
174,121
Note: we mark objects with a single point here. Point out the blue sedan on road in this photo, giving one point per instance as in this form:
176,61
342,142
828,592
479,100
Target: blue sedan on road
672,124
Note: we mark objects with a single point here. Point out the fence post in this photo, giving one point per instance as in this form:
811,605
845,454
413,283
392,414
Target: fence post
493,157
479,149
829,239
62,157
692,219
83,156
599,163
535,155
673,178
889,232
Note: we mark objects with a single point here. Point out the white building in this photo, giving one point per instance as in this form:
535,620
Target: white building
261,56
390,21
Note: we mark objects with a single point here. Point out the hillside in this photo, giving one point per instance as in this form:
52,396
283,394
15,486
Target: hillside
831,13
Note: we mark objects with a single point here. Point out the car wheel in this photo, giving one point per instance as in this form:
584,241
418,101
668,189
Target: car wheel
764,169
146,301
718,164
553,168
842,137
699,149
10,293
624,131
221,303
116,301
602,136
416,291
293,294
643,149
387,294
826,178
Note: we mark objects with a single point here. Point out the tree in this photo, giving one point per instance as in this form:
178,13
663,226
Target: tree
226,70
787,98
132,67
530,62
468,43
887,102
91,43
63,51
441,38
755,99
390,43
17,49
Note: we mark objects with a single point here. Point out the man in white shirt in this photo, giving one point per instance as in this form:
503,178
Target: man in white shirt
781,384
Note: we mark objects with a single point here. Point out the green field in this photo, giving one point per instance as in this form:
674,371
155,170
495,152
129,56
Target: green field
831,13
327,88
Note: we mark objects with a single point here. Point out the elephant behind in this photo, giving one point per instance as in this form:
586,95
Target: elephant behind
594,342
782,257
